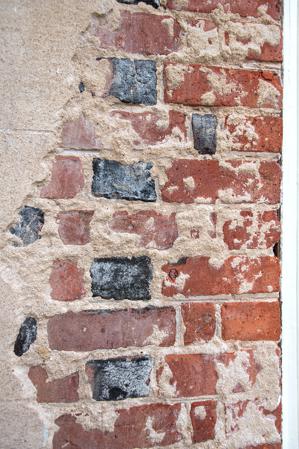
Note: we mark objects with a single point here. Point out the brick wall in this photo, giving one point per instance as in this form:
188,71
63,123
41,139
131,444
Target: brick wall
160,216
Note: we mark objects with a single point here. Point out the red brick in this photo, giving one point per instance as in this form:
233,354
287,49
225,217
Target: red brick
203,417
198,85
262,134
195,276
245,375
64,389
155,230
199,321
242,413
153,128
110,329
66,180
251,230
79,134
191,375
251,321
233,181
74,226
267,53
241,7
66,281
144,33
141,426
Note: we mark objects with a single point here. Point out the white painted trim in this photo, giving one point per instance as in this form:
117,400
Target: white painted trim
290,216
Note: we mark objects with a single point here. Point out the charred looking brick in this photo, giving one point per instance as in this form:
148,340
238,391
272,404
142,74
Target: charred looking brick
204,133
30,224
134,81
154,3
116,379
122,278
26,336
111,179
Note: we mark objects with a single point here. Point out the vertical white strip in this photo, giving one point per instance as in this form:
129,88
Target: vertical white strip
290,217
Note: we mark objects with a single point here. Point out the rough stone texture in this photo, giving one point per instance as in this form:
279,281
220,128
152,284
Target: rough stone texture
204,133
109,329
26,336
66,281
54,73
154,3
116,379
118,181
134,81
67,179
155,230
122,278
29,226
57,390
141,426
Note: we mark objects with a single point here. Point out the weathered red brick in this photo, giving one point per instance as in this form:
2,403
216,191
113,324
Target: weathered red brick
74,226
66,281
153,128
66,180
195,276
241,7
149,34
80,134
142,426
267,52
246,374
198,85
64,389
199,321
110,329
155,230
203,417
233,181
251,230
191,375
251,321
254,133
243,413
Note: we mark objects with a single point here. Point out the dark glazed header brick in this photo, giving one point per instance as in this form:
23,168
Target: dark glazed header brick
26,336
30,224
113,180
122,278
154,3
134,81
116,379
204,133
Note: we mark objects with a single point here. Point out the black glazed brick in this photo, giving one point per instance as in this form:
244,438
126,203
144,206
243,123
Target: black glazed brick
134,81
26,336
117,379
122,278
204,133
154,3
29,226
114,180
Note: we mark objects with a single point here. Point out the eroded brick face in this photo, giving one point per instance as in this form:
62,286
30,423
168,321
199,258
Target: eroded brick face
154,315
